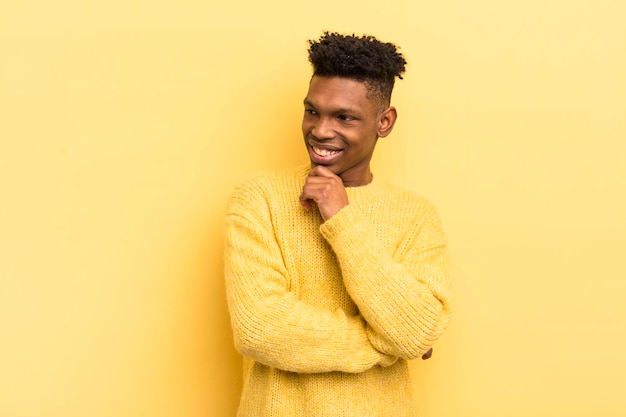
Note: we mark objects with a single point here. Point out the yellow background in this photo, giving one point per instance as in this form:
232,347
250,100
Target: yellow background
125,124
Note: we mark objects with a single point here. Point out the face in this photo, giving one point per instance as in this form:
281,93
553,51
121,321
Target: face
341,126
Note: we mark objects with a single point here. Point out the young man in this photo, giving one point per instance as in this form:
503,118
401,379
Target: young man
334,278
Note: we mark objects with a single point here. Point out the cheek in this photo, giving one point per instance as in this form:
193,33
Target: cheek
306,125
364,147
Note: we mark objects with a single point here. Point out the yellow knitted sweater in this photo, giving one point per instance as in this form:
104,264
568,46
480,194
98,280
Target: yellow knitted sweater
326,314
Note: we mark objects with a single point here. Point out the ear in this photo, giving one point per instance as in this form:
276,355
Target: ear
386,121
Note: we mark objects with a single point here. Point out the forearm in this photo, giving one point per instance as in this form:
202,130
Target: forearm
287,334
405,317
403,297
271,325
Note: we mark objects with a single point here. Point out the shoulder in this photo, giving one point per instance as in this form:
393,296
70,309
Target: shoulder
415,214
405,200
267,185
412,211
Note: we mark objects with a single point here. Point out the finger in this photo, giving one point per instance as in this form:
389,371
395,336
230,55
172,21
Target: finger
306,201
316,189
317,182
428,354
322,171
307,204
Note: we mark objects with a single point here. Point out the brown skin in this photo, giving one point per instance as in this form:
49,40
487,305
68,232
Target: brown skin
340,118
343,121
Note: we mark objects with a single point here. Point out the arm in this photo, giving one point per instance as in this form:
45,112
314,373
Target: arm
269,323
402,296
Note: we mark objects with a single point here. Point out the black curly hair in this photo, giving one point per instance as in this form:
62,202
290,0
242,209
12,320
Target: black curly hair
362,58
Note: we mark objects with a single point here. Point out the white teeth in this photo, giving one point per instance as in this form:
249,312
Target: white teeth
324,152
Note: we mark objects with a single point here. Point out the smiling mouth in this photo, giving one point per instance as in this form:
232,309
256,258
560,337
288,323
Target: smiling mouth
324,152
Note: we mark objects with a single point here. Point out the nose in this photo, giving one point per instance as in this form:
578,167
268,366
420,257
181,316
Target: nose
322,129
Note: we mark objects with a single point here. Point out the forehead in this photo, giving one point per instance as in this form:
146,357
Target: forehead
338,92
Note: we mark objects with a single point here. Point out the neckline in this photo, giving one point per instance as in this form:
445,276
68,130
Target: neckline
304,170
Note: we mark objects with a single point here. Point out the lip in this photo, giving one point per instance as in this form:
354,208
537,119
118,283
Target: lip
323,159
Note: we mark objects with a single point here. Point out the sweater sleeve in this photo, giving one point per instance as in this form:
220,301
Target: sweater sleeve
270,324
403,296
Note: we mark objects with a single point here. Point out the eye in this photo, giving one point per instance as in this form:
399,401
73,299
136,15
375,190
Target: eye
310,111
345,118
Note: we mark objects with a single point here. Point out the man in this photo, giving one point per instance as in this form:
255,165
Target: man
334,278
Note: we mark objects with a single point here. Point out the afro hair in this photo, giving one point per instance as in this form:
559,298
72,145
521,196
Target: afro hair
362,58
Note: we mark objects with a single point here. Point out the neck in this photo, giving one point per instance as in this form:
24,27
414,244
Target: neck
356,180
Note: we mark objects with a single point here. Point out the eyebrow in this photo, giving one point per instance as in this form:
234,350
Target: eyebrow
340,110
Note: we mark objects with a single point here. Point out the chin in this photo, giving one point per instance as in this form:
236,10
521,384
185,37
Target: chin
335,170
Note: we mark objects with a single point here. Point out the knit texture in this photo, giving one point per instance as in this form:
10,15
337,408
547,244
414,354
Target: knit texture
326,314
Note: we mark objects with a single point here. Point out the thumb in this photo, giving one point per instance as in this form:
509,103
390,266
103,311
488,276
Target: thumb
307,203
